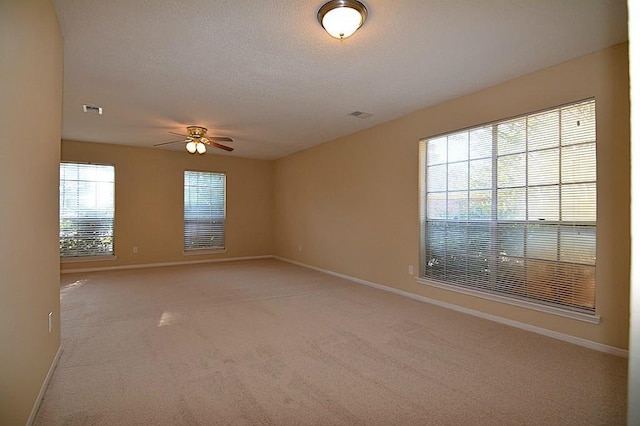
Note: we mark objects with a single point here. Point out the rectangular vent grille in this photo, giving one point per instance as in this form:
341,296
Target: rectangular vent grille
360,114
92,109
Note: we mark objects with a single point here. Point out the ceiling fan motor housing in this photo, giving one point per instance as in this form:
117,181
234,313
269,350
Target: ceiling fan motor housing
196,140
196,131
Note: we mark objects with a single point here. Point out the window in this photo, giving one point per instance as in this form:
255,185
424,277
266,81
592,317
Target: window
86,210
510,208
204,210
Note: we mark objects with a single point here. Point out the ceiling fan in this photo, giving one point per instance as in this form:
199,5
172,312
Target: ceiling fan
197,138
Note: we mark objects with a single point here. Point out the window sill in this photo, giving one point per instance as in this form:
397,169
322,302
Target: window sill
87,259
196,252
580,316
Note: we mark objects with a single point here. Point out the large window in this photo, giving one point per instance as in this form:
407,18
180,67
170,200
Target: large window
204,210
510,208
86,210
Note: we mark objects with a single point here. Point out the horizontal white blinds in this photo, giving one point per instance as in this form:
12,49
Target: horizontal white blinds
86,209
511,207
204,210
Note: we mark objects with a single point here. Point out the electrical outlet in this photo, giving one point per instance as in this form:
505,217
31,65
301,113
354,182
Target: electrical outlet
50,321
300,248
410,269
135,249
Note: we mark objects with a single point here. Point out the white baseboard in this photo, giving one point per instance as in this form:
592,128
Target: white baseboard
549,333
155,265
43,388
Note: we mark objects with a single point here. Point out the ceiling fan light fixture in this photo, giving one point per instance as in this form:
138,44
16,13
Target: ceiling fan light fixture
201,148
196,140
191,147
342,18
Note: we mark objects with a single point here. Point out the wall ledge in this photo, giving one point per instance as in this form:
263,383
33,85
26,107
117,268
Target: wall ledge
494,297
155,265
612,350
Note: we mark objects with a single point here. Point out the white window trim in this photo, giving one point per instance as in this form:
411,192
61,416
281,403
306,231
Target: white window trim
79,259
198,251
207,250
535,306
92,258
540,306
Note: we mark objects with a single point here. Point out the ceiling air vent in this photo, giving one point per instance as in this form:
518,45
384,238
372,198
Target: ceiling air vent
360,114
94,109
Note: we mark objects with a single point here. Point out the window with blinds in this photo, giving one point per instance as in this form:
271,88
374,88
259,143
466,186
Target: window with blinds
86,210
204,210
510,207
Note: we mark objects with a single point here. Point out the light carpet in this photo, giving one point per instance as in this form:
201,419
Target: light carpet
269,343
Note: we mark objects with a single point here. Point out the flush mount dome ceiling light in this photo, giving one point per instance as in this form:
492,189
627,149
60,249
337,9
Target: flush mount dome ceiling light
342,18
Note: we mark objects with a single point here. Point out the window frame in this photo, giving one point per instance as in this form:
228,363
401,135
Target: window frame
89,257
494,295
206,249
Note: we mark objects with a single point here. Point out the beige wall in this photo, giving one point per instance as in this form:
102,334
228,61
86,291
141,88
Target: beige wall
149,202
634,332
31,50
351,205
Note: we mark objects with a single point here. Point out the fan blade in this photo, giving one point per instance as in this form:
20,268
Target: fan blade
226,148
167,143
179,134
219,139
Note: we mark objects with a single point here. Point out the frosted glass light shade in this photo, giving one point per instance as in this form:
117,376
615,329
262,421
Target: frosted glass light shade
342,22
191,147
342,18
201,148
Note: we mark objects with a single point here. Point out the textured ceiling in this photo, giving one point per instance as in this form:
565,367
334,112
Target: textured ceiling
266,74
